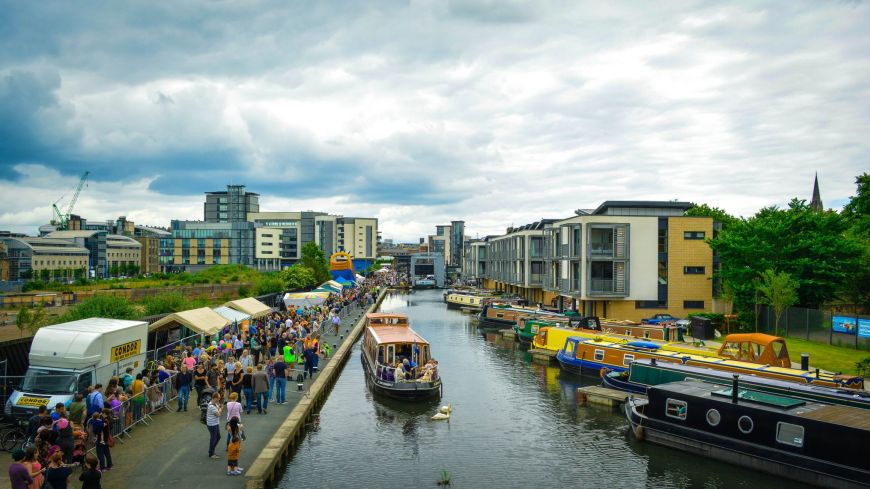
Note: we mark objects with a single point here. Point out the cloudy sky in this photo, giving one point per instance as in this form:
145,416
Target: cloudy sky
420,112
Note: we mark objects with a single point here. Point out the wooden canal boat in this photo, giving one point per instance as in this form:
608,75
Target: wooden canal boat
580,354
643,374
457,300
553,338
388,341
504,316
806,441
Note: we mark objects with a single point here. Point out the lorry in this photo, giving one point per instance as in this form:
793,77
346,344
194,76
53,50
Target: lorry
67,358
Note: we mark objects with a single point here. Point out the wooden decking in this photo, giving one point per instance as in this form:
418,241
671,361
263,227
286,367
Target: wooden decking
841,415
602,396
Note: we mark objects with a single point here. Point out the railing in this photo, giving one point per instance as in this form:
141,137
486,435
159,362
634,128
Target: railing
600,285
536,278
601,249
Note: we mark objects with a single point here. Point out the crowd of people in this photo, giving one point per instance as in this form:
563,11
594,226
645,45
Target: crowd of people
235,371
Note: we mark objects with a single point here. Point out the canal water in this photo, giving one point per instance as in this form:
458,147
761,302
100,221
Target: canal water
514,424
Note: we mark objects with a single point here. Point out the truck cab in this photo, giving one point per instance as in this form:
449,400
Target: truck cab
67,358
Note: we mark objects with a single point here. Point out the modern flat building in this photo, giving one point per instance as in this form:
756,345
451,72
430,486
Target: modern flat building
278,237
474,260
195,245
357,236
623,260
232,205
44,258
4,262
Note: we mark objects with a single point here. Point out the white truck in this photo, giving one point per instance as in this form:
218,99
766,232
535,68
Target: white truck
67,358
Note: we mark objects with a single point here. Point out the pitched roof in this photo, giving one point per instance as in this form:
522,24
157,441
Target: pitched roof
202,320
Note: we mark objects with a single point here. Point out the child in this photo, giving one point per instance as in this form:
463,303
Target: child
90,476
234,449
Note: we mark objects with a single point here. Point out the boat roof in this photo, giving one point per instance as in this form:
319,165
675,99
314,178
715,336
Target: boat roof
760,338
770,381
378,318
396,334
851,417
679,356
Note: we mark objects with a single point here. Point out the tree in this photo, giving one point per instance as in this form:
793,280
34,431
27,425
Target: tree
298,277
716,213
314,258
813,247
779,290
857,211
31,318
113,271
44,274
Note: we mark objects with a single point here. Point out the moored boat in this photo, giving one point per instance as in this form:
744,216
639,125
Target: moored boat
474,300
427,282
643,374
581,354
810,442
553,337
504,316
388,342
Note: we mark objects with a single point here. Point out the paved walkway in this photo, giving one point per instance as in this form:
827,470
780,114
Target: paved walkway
173,451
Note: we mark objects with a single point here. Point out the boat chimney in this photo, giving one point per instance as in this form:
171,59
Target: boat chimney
734,384
652,361
805,362
817,373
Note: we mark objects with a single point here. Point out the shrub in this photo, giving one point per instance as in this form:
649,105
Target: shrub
104,306
244,291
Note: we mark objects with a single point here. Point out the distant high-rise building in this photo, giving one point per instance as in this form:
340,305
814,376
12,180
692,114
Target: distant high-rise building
816,203
234,205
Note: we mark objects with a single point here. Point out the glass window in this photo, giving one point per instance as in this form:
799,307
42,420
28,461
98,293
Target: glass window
713,417
45,381
675,408
694,234
694,270
663,240
627,359
745,424
599,355
790,434
569,348
693,304
663,272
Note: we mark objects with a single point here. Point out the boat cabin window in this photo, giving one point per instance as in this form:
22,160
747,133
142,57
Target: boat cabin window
646,334
790,434
381,355
745,425
713,417
499,315
627,332
627,359
675,408
599,355
569,347
391,355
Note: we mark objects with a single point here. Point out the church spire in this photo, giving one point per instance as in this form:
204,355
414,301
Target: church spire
816,203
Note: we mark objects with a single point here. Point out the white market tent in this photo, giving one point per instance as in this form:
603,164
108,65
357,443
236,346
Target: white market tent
305,298
233,315
250,306
202,320
360,279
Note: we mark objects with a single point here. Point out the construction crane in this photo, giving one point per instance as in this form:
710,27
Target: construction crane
61,221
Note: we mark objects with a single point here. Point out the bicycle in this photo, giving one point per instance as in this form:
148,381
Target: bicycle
12,436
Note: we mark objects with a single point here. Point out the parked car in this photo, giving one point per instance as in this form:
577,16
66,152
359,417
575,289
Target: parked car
660,318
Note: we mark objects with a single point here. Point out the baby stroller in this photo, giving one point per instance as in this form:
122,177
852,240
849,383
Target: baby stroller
203,403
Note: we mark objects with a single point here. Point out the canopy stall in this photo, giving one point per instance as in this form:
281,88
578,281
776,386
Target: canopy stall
202,320
344,282
332,286
233,315
250,306
305,299
360,279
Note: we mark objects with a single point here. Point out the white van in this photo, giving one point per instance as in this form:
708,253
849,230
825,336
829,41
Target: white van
67,358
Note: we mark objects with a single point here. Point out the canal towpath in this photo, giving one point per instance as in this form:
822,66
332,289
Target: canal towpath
173,449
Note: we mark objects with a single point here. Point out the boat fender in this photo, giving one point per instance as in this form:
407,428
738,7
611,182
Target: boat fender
639,432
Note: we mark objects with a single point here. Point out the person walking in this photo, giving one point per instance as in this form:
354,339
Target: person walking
182,383
280,369
248,388
234,410
200,382
260,382
270,374
90,476
234,448
212,422
100,424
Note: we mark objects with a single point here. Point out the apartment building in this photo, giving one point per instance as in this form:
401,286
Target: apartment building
194,245
357,236
622,260
232,205
474,260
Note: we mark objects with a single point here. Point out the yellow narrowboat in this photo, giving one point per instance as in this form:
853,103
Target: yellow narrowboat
553,339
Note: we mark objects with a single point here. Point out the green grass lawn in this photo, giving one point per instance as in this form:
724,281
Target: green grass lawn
827,357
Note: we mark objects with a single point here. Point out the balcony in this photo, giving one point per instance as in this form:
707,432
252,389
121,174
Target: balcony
536,279
606,287
601,250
